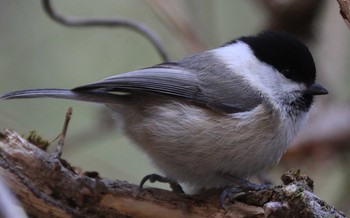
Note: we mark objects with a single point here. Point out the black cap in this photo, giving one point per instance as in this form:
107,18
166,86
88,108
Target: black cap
284,52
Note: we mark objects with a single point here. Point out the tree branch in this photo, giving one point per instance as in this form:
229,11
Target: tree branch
106,22
47,185
9,206
344,6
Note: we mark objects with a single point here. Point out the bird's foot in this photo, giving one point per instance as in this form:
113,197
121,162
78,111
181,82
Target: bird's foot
175,187
241,185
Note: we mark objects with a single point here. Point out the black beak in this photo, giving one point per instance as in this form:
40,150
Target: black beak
316,89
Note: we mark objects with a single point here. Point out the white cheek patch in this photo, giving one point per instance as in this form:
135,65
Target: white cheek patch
241,59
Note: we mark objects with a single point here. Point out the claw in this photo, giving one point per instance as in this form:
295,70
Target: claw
227,192
175,187
241,185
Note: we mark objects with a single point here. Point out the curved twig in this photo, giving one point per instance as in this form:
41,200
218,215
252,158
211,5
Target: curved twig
106,22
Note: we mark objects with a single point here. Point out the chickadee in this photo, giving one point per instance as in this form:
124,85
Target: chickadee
213,118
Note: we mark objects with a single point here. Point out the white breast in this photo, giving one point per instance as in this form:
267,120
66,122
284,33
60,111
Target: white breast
193,145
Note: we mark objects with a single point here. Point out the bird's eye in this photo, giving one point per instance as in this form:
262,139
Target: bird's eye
287,73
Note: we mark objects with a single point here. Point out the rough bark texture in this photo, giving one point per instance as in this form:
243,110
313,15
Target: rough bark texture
49,187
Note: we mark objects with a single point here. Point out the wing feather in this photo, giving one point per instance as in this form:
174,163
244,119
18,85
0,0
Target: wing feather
159,80
174,80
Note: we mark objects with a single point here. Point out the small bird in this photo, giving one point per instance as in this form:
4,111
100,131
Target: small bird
215,118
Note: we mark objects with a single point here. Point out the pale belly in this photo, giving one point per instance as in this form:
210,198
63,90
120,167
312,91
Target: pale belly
195,146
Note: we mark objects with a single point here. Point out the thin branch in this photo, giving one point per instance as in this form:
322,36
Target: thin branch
106,22
59,148
345,11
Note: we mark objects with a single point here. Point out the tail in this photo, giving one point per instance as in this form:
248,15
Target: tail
89,96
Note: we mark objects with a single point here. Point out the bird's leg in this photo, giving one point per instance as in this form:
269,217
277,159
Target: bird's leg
240,185
175,187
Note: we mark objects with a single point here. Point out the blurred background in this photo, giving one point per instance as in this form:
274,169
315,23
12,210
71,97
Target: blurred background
36,52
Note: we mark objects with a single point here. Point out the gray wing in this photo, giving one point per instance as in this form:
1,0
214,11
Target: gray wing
173,80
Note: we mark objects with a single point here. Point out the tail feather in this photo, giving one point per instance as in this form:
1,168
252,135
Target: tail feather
90,96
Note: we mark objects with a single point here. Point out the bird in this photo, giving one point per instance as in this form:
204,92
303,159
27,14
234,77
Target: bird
215,118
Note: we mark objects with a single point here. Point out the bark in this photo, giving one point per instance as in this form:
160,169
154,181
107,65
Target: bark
48,186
